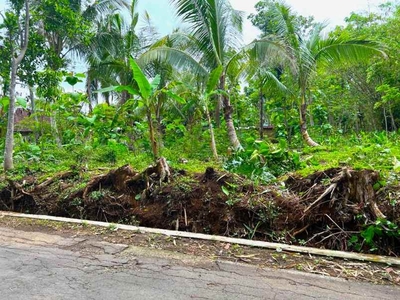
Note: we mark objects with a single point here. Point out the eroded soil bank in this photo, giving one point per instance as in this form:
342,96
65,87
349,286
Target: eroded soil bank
336,209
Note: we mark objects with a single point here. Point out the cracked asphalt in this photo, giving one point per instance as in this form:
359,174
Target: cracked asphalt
36,265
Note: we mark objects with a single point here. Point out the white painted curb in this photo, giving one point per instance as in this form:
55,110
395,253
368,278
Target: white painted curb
260,244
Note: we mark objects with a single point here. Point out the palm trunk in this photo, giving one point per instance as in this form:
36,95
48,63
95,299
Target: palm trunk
213,144
228,111
89,93
124,97
261,115
153,141
219,104
218,107
303,124
96,95
161,99
107,98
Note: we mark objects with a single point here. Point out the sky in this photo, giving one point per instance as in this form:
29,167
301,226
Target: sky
334,12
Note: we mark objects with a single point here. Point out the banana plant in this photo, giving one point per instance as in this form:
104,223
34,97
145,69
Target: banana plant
146,93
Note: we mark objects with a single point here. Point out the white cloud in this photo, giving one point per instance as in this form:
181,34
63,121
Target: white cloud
334,12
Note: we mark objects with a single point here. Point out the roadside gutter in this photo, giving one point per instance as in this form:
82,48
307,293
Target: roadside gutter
183,234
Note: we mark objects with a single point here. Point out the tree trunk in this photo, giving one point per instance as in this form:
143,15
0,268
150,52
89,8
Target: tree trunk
124,97
96,95
228,111
218,107
219,103
261,115
107,98
35,117
54,129
213,144
303,125
392,120
9,146
385,117
153,141
161,99
89,93
15,61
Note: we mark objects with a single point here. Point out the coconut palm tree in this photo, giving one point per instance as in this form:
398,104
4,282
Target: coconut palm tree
308,52
117,39
107,52
67,25
215,29
214,41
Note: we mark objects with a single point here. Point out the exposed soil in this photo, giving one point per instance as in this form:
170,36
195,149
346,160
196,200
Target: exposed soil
327,209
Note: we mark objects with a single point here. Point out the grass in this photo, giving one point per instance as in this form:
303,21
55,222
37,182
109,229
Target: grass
366,152
378,151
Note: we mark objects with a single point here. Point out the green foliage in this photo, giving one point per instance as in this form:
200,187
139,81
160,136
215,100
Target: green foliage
370,237
263,162
27,152
73,79
377,151
110,153
347,118
112,227
97,195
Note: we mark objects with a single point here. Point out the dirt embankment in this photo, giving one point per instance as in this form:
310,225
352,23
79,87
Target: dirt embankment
335,209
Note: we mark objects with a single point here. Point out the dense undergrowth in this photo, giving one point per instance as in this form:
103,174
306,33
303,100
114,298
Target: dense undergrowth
261,161
264,187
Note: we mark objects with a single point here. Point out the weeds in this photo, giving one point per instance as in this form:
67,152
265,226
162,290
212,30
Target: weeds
112,227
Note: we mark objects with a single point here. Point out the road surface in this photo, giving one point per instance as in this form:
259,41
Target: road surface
43,266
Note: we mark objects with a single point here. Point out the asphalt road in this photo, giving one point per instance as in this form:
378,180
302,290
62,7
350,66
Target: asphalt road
43,266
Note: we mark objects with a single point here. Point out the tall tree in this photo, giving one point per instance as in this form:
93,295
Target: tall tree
215,29
18,39
377,82
108,50
308,49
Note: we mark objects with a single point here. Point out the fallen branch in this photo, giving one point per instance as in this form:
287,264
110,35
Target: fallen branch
330,189
301,230
55,178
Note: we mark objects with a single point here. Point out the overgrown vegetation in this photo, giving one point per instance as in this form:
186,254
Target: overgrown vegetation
181,97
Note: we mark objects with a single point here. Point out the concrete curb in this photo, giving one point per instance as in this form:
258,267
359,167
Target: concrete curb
200,236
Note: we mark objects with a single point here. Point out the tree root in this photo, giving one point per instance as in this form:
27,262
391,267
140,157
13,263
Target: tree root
126,180
351,186
58,177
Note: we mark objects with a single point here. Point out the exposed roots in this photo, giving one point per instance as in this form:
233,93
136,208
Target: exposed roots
325,209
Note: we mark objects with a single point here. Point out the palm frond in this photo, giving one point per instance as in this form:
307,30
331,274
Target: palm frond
336,50
270,80
104,7
285,25
215,26
315,36
177,58
270,51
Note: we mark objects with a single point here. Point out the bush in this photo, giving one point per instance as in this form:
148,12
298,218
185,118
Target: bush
263,162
